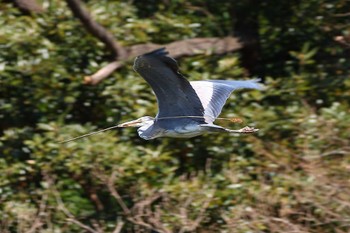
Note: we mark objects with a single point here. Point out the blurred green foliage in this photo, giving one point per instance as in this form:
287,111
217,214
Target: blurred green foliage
292,176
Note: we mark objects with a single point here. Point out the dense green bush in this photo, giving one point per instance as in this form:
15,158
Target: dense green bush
291,176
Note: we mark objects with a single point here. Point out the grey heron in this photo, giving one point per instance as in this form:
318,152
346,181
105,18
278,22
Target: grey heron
185,109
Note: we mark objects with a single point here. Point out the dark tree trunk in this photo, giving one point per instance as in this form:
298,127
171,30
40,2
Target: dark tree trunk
245,15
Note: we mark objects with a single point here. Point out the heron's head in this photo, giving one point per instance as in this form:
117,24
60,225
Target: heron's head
142,121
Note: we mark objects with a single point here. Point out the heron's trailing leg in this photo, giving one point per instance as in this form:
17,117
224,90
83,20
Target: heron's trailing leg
216,128
246,129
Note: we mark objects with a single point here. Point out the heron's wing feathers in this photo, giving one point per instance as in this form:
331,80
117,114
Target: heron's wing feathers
214,93
175,95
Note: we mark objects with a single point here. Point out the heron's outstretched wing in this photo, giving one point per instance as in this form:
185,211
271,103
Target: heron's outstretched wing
175,95
214,93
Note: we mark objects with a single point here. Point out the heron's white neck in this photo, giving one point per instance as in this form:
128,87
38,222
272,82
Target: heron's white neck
145,131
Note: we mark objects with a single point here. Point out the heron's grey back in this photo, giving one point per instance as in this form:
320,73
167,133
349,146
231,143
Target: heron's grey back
175,96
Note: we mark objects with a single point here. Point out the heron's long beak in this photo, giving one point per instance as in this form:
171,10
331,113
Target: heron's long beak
134,123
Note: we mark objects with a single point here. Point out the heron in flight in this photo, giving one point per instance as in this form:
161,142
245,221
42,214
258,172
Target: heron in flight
185,109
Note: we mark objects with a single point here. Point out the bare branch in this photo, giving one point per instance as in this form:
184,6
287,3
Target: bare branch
41,212
192,225
188,47
102,73
295,227
115,193
119,226
96,29
342,14
343,40
63,208
140,222
183,213
82,225
97,226
335,152
29,6
200,216
140,209
143,215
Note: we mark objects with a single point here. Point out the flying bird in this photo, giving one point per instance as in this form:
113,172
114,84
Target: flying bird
185,109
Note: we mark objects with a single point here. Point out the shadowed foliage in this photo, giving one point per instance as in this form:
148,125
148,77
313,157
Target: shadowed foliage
291,176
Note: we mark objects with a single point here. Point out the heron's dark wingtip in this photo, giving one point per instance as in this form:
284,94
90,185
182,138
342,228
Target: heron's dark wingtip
158,52
156,58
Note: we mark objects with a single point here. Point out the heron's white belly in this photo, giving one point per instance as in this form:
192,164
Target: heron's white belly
185,132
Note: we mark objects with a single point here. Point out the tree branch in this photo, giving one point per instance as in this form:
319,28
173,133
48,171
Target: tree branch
143,215
28,6
61,206
188,47
41,213
343,40
118,228
96,29
102,73
121,54
115,194
188,224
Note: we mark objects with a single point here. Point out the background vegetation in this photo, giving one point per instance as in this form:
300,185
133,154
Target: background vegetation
291,176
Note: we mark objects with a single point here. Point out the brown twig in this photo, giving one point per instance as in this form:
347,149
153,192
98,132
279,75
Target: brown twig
41,212
102,73
192,225
343,40
293,227
115,194
82,225
347,14
143,215
109,182
183,213
63,208
139,211
97,226
119,226
190,47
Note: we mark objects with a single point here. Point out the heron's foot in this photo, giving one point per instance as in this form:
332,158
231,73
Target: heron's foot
246,129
